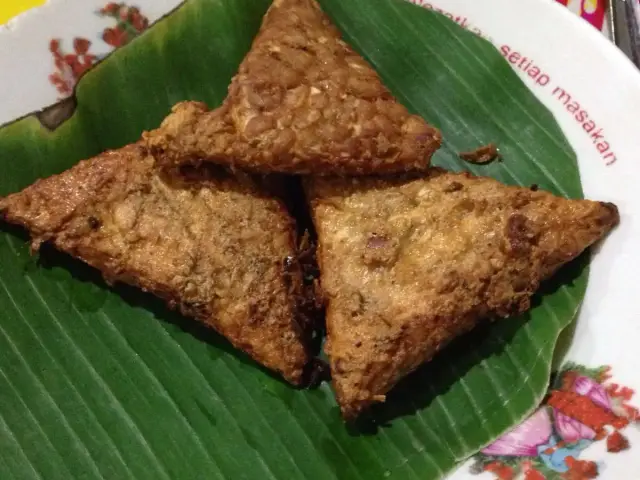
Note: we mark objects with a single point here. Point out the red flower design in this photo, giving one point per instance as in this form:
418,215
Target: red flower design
139,22
584,404
500,470
115,37
580,469
616,442
130,24
70,59
620,396
584,410
533,474
71,66
81,45
110,8
58,81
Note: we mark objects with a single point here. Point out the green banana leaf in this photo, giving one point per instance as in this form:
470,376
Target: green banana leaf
99,382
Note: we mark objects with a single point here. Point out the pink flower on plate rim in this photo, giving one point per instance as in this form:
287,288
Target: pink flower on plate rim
588,387
524,440
571,430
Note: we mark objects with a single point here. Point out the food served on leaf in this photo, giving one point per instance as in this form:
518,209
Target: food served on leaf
408,264
303,102
210,244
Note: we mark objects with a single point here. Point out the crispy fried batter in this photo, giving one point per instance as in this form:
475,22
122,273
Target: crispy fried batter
200,244
409,264
303,102
481,155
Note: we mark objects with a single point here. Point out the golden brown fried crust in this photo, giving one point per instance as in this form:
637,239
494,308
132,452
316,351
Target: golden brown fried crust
214,247
481,155
409,264
303,102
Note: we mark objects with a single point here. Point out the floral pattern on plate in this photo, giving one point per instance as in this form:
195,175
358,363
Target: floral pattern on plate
69,67
582,407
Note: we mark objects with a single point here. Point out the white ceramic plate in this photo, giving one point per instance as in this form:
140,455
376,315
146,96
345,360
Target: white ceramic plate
591,88
572,69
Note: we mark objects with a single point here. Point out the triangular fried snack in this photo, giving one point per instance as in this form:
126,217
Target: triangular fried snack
406,265
214,247
303,102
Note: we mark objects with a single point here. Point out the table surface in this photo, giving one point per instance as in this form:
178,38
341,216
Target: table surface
11,8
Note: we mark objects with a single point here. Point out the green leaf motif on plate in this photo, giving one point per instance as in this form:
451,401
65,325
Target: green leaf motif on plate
107,383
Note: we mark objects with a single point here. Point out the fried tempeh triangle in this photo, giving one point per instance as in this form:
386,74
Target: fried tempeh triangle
213,247
409,264
303,102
